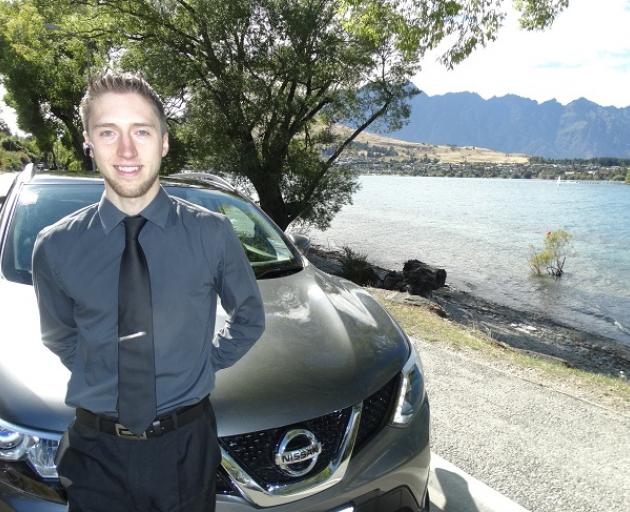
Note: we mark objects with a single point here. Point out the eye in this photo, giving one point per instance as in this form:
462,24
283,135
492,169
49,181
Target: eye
142,132
107,134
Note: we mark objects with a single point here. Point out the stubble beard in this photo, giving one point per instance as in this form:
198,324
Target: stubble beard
131,192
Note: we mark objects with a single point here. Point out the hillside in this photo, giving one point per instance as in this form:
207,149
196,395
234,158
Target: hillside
389,149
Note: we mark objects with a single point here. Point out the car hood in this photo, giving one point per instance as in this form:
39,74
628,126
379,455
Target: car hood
327,345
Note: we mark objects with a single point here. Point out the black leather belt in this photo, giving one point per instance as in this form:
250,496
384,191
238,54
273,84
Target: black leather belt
161,425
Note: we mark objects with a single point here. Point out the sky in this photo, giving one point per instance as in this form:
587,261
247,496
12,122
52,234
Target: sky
586,53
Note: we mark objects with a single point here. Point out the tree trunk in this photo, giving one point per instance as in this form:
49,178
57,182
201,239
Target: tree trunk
77,147
76,136
266,178
271,200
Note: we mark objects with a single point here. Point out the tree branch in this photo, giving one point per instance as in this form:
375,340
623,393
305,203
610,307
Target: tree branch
325,166
356,132
303,116
188,7
159,21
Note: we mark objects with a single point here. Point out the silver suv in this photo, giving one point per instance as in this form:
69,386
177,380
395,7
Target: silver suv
328,411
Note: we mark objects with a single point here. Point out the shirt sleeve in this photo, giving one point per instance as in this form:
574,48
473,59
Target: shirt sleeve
241,300
58,328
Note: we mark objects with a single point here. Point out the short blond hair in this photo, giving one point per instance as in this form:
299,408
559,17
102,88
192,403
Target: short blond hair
120,82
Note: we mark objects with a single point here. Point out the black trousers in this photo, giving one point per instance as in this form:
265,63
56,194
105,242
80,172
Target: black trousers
174,472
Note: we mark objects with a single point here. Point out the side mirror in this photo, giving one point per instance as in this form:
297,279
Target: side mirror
302,242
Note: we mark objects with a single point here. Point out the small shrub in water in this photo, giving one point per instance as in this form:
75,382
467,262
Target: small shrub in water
554,255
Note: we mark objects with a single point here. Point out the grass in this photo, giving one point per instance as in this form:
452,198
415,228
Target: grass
421,322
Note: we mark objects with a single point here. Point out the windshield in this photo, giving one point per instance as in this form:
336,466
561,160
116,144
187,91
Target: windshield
40,205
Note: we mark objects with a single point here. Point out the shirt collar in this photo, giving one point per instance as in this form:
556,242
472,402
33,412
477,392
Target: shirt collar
109,214
157,211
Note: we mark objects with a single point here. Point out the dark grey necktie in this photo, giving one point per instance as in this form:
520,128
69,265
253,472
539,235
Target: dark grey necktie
136,359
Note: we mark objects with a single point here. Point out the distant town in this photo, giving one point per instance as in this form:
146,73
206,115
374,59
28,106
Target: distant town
373,154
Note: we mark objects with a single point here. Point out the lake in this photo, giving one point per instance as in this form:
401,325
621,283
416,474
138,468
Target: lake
480,231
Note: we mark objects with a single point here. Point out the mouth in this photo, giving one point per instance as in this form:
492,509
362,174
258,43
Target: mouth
128,170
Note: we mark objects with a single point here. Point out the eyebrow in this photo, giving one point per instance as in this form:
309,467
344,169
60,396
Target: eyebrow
114,125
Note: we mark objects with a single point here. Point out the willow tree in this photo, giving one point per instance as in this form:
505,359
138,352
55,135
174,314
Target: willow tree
258,88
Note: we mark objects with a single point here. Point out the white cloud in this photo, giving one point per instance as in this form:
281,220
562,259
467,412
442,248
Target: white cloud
586,53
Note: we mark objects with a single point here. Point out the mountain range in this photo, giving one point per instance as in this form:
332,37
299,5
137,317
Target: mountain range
513,124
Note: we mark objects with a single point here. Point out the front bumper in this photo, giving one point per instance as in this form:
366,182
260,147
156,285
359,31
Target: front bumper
390,474
400,499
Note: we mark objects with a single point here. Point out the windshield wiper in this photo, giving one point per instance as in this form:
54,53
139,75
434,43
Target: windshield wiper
278,271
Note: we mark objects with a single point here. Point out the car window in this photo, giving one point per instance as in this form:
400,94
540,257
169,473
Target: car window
40,205
261,240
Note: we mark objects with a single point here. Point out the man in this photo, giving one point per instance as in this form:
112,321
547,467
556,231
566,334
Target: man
127,292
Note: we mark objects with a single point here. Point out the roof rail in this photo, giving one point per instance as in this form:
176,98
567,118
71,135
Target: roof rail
209,177
29,171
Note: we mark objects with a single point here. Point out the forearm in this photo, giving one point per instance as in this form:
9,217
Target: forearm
238,335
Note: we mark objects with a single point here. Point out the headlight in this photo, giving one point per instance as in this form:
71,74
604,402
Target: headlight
38,449
411,392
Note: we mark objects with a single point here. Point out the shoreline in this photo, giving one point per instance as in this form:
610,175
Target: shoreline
536,333
526,331
498,178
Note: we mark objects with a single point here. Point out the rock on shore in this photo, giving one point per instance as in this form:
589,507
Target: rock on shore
416,277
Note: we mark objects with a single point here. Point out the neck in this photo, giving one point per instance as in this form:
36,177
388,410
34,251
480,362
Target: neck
132,205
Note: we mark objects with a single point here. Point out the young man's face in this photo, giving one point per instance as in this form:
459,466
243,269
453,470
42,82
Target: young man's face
128,146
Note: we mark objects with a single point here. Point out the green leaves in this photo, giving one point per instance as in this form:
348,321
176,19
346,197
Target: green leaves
44,65
554,255
539,14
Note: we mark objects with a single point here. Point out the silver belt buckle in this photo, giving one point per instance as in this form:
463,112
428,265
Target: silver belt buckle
122,431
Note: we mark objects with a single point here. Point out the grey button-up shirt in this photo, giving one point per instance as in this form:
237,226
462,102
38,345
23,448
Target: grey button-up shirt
193,256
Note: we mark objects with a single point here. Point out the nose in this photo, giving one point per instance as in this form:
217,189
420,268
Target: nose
126,147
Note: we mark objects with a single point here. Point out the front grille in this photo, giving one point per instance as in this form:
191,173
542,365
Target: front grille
254,451
377,410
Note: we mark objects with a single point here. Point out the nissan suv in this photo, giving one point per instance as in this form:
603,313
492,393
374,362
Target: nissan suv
328,412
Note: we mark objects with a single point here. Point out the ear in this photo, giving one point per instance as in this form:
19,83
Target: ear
86,139
87,145
165,145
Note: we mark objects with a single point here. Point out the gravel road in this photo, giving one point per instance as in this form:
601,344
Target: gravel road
544,449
